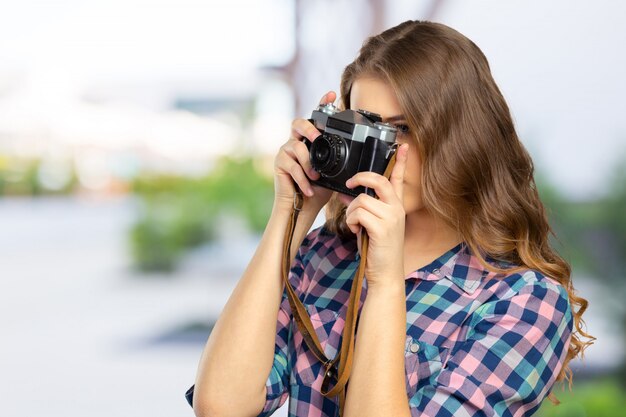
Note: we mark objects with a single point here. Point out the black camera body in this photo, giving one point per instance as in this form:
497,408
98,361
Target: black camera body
351,142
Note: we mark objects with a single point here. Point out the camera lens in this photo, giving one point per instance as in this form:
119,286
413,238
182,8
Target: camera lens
322,153
328,154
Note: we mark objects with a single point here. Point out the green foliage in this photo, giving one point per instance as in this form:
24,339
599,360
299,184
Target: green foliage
22,177
603,398
238,186
592,237
179,213
591,234
167,228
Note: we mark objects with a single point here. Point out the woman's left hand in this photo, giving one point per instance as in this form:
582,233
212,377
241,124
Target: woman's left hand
383,218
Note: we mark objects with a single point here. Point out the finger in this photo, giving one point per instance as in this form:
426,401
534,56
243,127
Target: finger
298,151
329,97
370,204
302,128
362,218
295,170
397,173
377,182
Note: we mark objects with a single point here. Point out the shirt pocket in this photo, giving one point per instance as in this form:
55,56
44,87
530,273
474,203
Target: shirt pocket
423,363
307,367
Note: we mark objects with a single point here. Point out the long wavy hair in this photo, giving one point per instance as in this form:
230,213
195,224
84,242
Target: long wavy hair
476,174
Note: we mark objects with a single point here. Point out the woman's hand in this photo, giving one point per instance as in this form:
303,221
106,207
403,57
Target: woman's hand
292,164
383,218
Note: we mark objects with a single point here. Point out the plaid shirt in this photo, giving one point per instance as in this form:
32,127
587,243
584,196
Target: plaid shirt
477,343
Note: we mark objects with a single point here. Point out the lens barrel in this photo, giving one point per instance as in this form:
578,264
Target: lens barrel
328,154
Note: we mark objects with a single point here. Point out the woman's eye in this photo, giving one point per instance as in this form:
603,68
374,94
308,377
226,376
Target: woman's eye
403,129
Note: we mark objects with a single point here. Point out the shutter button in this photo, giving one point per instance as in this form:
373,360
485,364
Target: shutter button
415,347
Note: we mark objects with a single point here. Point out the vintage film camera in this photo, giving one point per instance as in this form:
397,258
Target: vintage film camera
351,142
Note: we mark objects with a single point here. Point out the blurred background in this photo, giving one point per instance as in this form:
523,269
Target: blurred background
136,145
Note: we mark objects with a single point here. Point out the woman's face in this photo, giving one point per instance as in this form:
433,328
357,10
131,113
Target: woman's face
376,96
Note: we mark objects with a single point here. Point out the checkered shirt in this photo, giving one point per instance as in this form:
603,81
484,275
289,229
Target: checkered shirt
477,343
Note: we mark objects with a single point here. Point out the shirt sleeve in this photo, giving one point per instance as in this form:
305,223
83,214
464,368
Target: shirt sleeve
514,350
277,383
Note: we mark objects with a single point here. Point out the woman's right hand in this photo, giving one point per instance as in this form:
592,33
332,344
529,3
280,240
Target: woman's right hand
292,164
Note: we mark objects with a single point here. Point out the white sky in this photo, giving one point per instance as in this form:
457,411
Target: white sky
560,64
136,39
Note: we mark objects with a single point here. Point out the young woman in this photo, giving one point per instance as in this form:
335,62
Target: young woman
466,309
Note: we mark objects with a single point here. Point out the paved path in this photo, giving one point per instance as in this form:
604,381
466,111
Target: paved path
81,334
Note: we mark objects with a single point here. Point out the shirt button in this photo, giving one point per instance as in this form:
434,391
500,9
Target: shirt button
415,347
329,373
436,271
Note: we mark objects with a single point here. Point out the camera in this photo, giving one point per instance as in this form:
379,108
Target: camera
351,141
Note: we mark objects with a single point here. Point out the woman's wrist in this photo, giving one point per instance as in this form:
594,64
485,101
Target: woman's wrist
387,286
282,212
285,206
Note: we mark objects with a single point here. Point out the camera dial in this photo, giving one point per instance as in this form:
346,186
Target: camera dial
329,109
328,154
373,117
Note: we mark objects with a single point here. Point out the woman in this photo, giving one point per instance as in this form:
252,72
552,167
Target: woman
466,310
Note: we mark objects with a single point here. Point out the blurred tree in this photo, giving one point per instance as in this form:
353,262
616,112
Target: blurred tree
591,235
179,213
23,177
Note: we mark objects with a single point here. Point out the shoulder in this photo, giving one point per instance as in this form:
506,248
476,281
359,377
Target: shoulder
531,294
531,281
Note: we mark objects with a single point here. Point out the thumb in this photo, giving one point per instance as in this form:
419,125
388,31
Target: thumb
397,173
329,97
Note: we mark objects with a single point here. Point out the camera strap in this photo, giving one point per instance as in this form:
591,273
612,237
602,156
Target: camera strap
336,370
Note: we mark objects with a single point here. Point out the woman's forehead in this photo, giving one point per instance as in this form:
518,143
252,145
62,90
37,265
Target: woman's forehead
376,96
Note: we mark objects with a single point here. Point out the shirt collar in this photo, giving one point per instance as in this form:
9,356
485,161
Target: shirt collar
457,265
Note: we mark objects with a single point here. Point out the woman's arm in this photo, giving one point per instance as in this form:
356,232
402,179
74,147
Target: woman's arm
239,353
377,384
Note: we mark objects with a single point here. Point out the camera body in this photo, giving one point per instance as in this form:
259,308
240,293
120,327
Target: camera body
351,142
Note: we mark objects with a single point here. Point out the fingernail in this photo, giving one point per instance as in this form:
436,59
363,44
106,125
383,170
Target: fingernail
309,192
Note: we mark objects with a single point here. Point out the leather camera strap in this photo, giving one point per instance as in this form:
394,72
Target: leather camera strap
339,374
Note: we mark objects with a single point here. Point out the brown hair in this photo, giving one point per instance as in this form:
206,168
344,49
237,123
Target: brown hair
476,174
